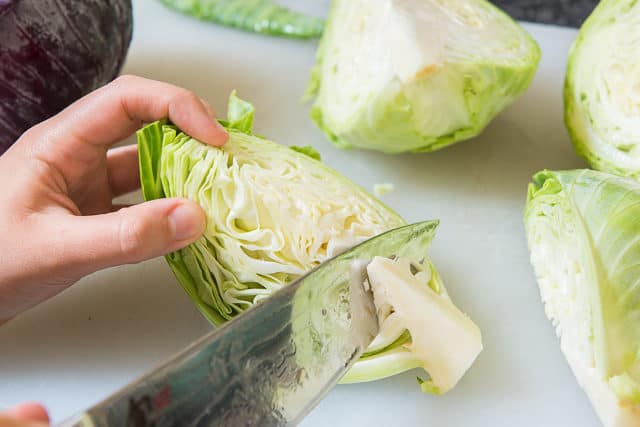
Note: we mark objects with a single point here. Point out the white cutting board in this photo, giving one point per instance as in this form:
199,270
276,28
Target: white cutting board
113,326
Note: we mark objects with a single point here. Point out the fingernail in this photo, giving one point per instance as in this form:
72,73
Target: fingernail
187,222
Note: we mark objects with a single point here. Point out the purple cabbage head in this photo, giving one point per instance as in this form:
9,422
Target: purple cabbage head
53,52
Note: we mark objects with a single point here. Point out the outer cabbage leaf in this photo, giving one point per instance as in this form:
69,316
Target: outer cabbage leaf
583,230
273,213
416,75
258,16
602,88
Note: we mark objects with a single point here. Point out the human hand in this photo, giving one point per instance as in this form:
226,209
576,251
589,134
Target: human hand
25,415
59,180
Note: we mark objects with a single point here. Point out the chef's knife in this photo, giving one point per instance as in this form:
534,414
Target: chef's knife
273,364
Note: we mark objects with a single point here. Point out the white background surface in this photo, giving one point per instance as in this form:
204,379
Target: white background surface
83,345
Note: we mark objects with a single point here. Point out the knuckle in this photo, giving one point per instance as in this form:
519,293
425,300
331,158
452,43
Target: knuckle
131,236
185,95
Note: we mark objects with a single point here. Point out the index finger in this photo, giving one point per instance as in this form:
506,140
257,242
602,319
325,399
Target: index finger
113,112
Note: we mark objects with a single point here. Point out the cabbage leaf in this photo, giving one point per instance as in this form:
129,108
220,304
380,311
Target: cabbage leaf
258,16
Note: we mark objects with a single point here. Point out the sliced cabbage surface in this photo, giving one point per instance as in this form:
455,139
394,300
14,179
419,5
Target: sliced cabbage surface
273,212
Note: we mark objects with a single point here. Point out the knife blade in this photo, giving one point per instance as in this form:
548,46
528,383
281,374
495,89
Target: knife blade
274,363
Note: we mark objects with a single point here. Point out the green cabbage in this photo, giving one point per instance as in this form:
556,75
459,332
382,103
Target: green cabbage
416,75
583,229
274,213
259,16
602,88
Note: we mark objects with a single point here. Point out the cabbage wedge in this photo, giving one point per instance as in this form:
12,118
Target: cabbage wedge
274,213
602,89
583,229
416,75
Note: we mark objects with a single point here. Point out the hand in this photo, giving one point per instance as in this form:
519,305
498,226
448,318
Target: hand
25,415
58,180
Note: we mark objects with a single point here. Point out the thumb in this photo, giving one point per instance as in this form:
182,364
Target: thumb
132,234
9,421
25,415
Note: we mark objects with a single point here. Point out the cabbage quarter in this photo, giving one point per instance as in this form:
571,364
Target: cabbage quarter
416,75
583,230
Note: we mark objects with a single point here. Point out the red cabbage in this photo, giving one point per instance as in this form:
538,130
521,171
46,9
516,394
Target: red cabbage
53,52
